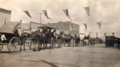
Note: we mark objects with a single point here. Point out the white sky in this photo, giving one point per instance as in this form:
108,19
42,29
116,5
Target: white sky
105,11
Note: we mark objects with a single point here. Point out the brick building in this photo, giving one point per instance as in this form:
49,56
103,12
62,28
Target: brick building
5,15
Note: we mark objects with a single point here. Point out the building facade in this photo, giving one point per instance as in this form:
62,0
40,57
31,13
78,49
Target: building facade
67,26
5,16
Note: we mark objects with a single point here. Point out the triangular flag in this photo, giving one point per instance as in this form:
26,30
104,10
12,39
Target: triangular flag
45,13
67,13
28,13
85,24
87,9
99,25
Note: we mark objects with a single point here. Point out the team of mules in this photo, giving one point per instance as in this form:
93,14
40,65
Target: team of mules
46,35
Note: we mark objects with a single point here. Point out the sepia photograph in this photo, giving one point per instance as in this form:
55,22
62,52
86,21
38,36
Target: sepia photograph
59,33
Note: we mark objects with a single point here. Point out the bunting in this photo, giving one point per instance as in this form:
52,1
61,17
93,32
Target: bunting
67,13
87,9
99,25
104,34
28,14
85,24
45,13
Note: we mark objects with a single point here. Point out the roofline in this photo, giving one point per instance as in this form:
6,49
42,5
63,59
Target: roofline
63,22
69,22
5,10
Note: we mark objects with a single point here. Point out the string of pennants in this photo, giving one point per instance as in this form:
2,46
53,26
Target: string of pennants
87,9
45,13
98,23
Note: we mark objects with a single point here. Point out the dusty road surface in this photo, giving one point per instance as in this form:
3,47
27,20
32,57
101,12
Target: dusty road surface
87,56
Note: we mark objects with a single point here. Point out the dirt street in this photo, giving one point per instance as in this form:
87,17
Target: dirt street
87,56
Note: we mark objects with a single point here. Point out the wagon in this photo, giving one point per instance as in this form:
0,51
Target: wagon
110,41
54,41
87,40
9,36
43,35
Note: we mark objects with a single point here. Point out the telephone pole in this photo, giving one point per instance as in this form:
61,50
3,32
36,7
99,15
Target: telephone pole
40,16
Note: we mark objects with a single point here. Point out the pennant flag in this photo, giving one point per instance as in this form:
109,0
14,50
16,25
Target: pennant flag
113,33
104,34
87,9
28,13
99,25
85,24
96,34
45,13
67,13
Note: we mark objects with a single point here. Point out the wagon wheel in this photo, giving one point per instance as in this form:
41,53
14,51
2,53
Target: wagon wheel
28,43
14,45
1,46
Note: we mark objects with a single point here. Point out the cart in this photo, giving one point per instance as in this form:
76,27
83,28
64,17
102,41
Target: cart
110,41
9,36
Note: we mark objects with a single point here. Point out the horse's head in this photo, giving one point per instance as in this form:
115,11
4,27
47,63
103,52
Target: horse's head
25,35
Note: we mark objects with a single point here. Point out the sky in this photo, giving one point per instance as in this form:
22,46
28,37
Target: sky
104,11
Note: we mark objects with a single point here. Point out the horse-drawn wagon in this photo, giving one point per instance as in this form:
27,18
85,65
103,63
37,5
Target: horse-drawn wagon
110,41
70,39
42,36
117,42
87,40
9,35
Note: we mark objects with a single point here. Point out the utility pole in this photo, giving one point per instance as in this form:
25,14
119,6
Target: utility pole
40,16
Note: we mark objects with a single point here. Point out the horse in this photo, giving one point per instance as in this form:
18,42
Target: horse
43,37
85,40
56,38
67,38
24,37
77,40
39,37
91,41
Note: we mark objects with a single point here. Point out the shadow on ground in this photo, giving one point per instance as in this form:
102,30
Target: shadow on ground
49,63
5,52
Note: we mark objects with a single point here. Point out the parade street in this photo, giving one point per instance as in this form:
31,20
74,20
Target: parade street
83,56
